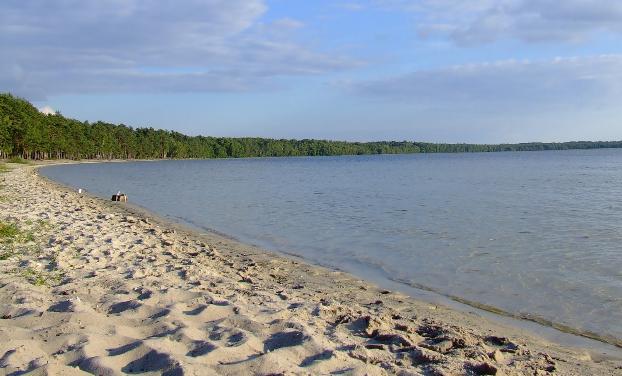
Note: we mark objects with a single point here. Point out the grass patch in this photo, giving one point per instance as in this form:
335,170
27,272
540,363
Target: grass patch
19,160
9,232
6,255
22,241
4,168
35,277
29,236
38,278
44,224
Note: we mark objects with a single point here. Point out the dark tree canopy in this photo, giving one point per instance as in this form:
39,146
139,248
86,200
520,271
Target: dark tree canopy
25,132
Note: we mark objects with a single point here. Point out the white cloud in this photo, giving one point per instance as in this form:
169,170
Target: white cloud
515,85
288,24
482,21
78,46
559,99
351,6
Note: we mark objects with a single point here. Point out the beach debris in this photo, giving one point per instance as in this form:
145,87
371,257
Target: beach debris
119,197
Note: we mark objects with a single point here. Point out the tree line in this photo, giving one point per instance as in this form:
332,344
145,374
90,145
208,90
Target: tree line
27,133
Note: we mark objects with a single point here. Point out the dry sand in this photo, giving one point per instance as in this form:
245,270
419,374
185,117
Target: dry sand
89,286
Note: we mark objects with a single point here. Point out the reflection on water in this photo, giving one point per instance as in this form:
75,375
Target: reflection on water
534,234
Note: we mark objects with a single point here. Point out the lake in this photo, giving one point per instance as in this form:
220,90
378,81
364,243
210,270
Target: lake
535,234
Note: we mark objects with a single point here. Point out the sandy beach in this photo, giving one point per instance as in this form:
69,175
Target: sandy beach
90,286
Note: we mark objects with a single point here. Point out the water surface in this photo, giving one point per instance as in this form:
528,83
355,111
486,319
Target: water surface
535,234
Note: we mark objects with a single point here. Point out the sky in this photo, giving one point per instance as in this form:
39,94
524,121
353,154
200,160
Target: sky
477,71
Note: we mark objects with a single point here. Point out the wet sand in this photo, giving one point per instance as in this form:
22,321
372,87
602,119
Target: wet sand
92,286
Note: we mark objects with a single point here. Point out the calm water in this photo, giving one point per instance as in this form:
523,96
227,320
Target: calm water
535,234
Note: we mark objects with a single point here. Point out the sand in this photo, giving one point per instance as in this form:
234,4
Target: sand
90,286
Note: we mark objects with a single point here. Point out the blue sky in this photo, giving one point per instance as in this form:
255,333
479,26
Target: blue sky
429,70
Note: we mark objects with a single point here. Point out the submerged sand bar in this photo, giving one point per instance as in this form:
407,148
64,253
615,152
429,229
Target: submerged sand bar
88,286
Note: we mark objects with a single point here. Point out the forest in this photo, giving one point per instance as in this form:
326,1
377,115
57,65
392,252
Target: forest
27,133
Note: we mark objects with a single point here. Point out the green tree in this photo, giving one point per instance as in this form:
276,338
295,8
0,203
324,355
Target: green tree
26,132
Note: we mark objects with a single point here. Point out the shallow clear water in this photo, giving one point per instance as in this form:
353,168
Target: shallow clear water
536,234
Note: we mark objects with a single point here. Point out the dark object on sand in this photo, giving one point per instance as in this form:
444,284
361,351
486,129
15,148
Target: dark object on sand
121,197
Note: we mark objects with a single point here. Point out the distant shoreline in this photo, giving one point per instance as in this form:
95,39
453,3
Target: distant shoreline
32,135
60,161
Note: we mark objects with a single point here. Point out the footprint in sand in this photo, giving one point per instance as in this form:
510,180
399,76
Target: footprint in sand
144,295
196,311
154,361
124,306
284,339
73,305
160,314
125,348
200,348
234,338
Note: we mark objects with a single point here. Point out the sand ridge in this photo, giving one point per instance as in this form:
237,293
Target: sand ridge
94,288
